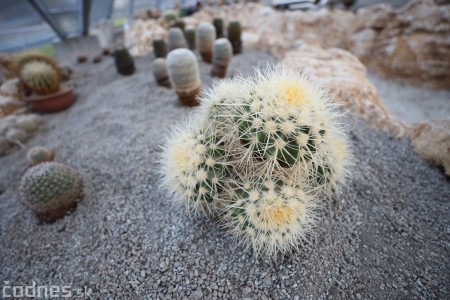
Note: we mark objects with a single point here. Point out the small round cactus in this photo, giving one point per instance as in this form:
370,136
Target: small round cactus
160,48
160,72
218,25
190,37
205,36
234,35
40,77
184,75
39,154
176,39
16,135
222,53
124,62
50,189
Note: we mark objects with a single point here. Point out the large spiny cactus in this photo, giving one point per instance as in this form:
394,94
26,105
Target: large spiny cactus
40,77
50,189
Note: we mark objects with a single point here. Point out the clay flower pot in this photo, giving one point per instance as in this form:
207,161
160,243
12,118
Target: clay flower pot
54,102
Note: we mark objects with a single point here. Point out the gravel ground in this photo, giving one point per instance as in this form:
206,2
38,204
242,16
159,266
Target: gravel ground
412,104
385,236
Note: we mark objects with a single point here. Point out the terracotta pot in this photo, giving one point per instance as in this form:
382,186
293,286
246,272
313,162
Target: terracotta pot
52,102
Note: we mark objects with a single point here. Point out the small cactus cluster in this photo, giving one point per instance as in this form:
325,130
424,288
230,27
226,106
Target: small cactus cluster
50,189
260,153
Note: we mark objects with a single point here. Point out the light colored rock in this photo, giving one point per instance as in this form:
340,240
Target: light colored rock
9,105
10,88
346,78
415,45
432,142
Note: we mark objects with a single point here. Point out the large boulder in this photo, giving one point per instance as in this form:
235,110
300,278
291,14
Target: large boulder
346,78
432,141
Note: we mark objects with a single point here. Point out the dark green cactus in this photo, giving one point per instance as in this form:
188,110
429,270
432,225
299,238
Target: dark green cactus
218,24
124,62
160,48
190,37
234,35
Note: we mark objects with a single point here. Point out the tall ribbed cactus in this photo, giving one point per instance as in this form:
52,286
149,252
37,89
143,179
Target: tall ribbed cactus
50,189
281,148
205,36
176,39
40,77
234,35
160,48
222,53
190,37
160,72
124,62
218,25
184,75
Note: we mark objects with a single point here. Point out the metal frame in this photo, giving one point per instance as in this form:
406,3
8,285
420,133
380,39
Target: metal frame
51,21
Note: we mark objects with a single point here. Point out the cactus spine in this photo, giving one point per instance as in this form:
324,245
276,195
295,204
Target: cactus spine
124,62
50,189
160,48
38,154
40,77
190,37
184,75
234,35
218,25
205,36
160,72
176,39
222,52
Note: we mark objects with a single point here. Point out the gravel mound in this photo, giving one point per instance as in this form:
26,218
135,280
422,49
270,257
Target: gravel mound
385,236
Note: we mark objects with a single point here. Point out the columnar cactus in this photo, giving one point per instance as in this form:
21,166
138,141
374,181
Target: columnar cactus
218,25
160,72
222,53
176,39
160,48
50,189
234,35
205,36
281,149
40,77
190,37
38,154
124,62
184,75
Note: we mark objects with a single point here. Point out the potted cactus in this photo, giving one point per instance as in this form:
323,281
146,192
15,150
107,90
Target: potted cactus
222,53
41,78
234,35
218,25
124,62
160,72
184,75
176,39
190,37
205,36
159,48
50,189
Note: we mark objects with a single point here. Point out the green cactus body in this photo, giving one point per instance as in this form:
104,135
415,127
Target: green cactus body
176,39
160,72
160,48
124,62
170,16
218,25
234,35
190,37
205,36
184,75
50,189
38,154
40,77
222,53
32,56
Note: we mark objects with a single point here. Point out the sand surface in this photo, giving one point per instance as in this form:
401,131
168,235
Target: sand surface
385,236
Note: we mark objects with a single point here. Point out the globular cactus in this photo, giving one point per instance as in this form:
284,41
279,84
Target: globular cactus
40,77
222,53
218,25
184,75
170,16
32,56
234,35
124,62
176,39
160,48
190,37
193,166
205,36
50,189
39,154
160,72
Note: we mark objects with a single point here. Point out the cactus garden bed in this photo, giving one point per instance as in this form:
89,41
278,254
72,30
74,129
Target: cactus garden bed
384,236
